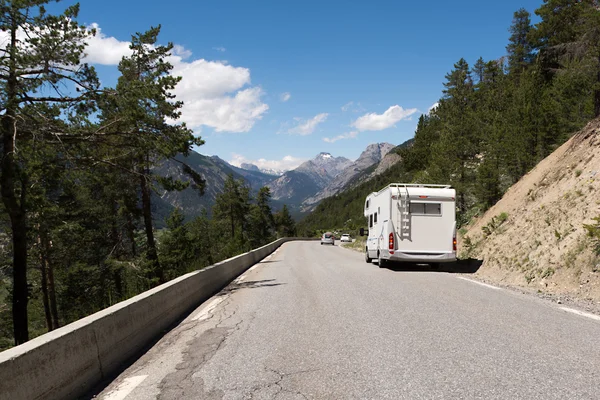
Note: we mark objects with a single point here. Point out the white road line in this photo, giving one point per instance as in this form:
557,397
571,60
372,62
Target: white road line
581,313
126,387
205,313
479,283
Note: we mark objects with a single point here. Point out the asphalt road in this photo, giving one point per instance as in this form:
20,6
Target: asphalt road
316,322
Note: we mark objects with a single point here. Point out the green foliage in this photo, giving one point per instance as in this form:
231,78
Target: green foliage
557,235
494,224
176,246
520,48
593,231
502,217
262,224
286,227
468,247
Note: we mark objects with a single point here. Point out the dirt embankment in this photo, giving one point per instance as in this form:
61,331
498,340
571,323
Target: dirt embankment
534,237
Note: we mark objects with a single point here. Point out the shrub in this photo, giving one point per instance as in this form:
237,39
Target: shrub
494,224
593,231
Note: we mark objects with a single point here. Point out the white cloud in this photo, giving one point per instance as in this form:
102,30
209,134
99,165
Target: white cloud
208,79
225,113
285,164
220,49
348,135
353,107
378,122
181,51
433,107
214,93
285,96
347,106
105,50
307,127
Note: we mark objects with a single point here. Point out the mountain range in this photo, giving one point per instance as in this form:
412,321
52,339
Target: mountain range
301,188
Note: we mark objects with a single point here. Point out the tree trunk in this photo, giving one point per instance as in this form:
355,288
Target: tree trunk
117,253
597,92
52,296
118,284
131,233
232,223
46,250
20,292
114,231
10,199
45,300
152,254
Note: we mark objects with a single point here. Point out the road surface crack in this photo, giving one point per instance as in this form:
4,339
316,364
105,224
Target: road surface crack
279,383
198,352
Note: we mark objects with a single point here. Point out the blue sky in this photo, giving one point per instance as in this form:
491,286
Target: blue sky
354,73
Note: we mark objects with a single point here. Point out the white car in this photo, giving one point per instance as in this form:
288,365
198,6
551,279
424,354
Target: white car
328,238
345,238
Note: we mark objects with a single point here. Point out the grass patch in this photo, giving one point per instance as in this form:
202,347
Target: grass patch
529,276
557,235
548,273
494,224
359,244
593,232
468,247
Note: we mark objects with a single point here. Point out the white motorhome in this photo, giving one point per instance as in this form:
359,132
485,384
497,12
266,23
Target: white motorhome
411,223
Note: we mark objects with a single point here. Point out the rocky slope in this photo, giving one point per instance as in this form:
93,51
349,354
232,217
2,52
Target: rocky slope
214,171
252,167
372,155
385,164
534,237
310,177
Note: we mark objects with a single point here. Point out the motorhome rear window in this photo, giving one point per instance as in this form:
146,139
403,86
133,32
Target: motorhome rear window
425,208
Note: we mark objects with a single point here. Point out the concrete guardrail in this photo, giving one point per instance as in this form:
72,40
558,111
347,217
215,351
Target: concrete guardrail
72,360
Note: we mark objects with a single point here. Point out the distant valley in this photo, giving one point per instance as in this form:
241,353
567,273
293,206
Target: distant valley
301,188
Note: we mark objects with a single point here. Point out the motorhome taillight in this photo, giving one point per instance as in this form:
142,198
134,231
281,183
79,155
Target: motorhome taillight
391,244
454,244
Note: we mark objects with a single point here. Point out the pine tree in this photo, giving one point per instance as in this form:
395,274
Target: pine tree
140,112
478,69
454,154
286,226
233,205
520,50
262,223
176,248
43,50
562,22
